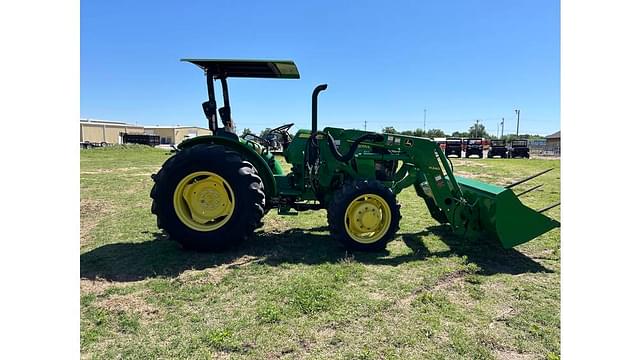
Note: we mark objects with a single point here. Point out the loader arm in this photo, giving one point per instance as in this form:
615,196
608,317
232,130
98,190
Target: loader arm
427,168
472,208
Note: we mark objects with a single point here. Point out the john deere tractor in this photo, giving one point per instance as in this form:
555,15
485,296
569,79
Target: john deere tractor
213,192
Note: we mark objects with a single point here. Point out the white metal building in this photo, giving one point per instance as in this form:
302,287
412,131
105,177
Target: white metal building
104,131
173,135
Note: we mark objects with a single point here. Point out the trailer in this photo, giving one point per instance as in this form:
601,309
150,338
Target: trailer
91,145
143,139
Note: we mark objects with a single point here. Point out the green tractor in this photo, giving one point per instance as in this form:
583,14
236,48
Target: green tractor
213,192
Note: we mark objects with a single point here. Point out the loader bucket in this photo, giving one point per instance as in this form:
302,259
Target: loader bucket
500,214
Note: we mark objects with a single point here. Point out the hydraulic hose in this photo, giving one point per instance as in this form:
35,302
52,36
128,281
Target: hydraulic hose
352,150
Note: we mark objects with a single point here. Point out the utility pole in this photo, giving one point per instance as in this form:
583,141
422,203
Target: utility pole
502,133
365,125
517,122
476,132
424,121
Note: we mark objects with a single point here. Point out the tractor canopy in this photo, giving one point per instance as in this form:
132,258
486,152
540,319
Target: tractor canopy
222,68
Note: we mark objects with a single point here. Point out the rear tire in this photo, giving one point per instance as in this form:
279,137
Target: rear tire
362,206
222,210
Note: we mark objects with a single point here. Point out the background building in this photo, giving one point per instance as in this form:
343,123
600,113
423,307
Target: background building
553,143
110,132
173,135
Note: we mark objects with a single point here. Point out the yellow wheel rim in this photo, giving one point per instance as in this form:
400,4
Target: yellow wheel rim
203,201
367,218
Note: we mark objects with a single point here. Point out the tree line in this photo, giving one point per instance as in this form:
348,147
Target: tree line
476,130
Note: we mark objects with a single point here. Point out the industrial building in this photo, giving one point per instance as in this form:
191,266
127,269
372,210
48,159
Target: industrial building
173,135
103,131
553,143
111,132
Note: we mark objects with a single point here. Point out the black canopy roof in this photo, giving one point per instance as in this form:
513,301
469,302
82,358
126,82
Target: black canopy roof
219,68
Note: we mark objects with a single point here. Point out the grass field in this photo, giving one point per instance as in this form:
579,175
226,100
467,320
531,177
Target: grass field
292,292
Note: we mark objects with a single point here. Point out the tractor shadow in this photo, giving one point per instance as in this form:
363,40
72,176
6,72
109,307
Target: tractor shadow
490,256
161,257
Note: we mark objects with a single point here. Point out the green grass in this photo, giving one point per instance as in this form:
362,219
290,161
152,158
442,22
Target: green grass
292,292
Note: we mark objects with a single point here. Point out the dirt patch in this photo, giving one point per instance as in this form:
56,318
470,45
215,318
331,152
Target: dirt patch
91,212
466,174
512,355
98,286
504,181
274,225
469,163
93,286
129,303
444,282
325,334
241,261
215,274
483,177
545,254
99,171
148,170
449,280
504,315
377,296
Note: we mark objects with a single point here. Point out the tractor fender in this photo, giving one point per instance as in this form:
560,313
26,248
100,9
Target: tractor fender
250,155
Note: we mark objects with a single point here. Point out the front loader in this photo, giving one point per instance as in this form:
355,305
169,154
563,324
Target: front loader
214,191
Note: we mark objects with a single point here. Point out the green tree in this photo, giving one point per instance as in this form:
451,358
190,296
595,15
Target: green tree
478,130
435,133
407,132
460,134
509,137
264,132
246,131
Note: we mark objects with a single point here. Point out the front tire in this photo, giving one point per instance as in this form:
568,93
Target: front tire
207,198
364,215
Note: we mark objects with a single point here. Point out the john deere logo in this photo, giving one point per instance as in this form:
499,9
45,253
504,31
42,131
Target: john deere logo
408,143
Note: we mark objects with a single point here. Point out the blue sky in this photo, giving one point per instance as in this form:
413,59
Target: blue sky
384,61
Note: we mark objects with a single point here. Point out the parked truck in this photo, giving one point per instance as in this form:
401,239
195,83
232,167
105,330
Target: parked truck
519,149
453,146
474,146
498,148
